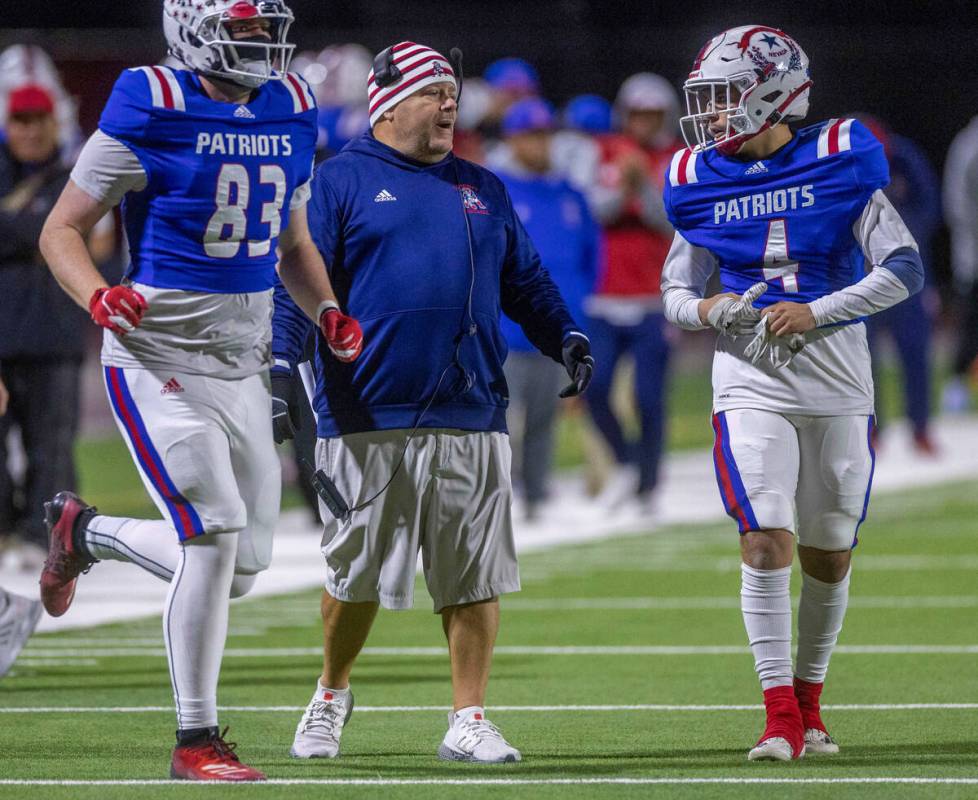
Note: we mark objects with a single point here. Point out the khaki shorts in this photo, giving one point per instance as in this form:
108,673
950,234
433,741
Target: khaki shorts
450,499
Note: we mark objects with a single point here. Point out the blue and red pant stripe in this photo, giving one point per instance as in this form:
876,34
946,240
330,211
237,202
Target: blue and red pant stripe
732,490
182,514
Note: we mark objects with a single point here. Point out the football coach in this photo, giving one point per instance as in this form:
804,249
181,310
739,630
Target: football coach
425,250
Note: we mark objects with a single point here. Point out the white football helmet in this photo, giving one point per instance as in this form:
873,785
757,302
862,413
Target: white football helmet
196,35
756,75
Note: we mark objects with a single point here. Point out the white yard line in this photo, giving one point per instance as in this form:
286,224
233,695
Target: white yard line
33,651
534,709
884,780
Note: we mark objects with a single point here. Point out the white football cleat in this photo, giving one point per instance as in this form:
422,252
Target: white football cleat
318,732
18,618
773,749
819,743
471,737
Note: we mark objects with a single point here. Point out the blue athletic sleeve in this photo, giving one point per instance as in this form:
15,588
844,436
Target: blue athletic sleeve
905,263
126,115
290,330
529,295
869,160
325,219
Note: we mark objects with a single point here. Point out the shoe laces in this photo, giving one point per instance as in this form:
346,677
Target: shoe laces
68,564
325,716
217,746
474,731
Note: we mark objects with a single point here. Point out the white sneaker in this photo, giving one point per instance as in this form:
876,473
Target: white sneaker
773,749
17,622
318,733
819,743
471,737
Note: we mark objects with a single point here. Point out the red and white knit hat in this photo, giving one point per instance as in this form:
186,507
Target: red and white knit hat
419,66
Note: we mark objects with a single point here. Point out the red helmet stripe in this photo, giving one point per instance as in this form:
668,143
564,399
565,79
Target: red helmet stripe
745,39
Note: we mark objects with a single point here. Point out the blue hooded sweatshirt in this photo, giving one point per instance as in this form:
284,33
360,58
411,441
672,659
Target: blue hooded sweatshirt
393,234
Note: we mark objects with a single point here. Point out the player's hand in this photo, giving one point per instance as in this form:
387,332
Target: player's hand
785,318
342,333
120,309
579,364
778,350
4,397
732,314
285,413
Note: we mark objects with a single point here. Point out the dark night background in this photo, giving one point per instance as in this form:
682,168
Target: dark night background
912,65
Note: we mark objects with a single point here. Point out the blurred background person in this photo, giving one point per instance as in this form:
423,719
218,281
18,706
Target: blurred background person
336,76
510,80
42,340
624,316
576,154
961,214
915,192
28,64
559,222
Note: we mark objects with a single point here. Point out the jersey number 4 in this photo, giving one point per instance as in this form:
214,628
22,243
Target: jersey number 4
777,262
234,215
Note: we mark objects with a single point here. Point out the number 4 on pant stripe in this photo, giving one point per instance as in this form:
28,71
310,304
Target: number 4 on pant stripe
777,263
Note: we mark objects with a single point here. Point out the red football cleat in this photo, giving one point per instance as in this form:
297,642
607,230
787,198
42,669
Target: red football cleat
211,759
784,735
63,564
817,739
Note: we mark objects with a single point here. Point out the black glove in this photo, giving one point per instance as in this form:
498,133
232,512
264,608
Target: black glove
284,409
579,363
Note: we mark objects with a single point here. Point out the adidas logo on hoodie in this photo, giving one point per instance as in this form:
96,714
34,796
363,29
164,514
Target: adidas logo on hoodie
383,196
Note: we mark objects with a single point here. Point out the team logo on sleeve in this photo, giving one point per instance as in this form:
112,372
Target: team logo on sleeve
473,204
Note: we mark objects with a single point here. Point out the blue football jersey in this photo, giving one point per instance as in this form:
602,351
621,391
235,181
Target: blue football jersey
220,177
787,219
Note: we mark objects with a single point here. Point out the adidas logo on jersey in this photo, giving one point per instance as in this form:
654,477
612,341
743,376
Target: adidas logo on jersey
242,112
171,386
756,169
383,196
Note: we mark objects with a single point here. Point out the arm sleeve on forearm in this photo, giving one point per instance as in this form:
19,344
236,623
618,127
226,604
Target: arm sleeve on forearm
879,290
106,169
684,278
897,270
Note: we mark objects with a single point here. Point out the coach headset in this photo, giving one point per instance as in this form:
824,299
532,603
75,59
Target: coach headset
387,72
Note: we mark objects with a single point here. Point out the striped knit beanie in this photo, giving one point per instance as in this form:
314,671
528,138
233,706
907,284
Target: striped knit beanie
419,66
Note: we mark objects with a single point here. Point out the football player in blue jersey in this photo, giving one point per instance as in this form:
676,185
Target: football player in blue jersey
806,246
211,164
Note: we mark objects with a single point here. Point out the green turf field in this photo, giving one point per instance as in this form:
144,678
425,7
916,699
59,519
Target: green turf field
621,627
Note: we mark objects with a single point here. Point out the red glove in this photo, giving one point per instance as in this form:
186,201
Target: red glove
343,334
120,309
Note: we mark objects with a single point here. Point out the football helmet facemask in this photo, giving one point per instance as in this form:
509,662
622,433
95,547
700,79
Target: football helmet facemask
197,34
754,75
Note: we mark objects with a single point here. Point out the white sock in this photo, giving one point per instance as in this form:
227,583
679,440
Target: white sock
765,601
195,625
820,614
339,693
150,544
